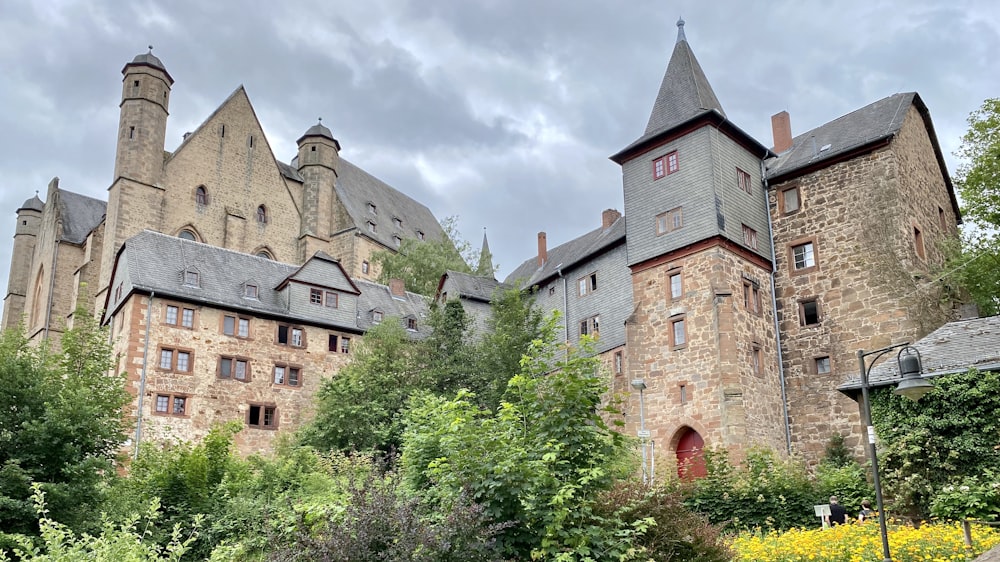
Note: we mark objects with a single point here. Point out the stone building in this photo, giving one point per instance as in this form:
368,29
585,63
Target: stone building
744,278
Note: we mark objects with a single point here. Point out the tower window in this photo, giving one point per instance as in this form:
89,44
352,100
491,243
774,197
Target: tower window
201,195
803,256
678,332
411,324
262,214
135,84
749,237
312,149
587,284
591,326
371,227
809,312
789,200
670,221
743,181
665,165
250,142
676,285
823,365
222,130
918,242
365,266
131,133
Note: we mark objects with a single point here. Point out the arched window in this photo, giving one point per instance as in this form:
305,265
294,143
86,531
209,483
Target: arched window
201,195
264,254
187,235
262,214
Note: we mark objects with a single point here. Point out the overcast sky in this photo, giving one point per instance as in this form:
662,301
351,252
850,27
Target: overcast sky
500,112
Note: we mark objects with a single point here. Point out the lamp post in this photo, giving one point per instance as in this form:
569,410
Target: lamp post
640,385
912,386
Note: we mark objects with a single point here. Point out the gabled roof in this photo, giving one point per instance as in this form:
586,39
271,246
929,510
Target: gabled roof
378,297
565,256
471,286
78,214
952,348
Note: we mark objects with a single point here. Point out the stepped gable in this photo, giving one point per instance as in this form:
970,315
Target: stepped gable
566,255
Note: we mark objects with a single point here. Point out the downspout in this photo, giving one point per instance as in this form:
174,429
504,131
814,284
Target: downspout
142,378
565,303
52,288
774,309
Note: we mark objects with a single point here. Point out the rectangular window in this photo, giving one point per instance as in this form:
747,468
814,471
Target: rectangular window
250,291
331,344
171,404
330,299
183,361
261,416
234,368
411,324
749,237
676,285
669,221
789,200
751,296
743,181
918,242
345,344
176,360
682,393
286,375
297,337
942,220
171,315
591,326
822,365
191,278
290,335
809,312
243,328
187,318
665,165
229,325
167,359
755,359
364,267
618,362
316,296
678,332
803,256
587,284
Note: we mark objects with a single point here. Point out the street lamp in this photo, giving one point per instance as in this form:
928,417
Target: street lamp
640,385
912,386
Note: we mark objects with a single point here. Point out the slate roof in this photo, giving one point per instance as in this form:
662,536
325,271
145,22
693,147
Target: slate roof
149,59
471,286
357,188
33,204
319,130
79,215
952,348
378,297
566,255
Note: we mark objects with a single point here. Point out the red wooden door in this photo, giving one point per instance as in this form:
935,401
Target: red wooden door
690,462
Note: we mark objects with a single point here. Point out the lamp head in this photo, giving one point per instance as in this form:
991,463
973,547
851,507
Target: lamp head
913,385
639,384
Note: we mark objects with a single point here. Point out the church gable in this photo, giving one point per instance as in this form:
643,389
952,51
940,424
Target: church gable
224,180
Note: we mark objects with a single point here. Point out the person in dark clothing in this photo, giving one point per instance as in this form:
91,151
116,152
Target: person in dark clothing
866,511
838,515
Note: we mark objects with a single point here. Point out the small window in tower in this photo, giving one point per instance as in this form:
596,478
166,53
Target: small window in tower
809,312
201,195
250,142
222,130
823,365
131,133
942,219
743,181
312,149
262,214
135,84
365,266
918,242
749,237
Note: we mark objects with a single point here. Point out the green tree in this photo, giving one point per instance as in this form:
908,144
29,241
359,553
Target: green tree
951,434
421,263
61,425
540,462
972,265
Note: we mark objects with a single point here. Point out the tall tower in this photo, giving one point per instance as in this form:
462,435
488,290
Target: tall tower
29,220
318,159
135,196
702,335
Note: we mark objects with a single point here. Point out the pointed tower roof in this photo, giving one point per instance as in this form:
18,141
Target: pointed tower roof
150,60
319,130
685,96
684,92
485,266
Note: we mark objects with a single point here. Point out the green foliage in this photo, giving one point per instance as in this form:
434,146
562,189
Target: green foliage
973,497
421,263
360,408
539,462
978,179
765,491
836,453
848,482
972,265
952,433
61,425
116,543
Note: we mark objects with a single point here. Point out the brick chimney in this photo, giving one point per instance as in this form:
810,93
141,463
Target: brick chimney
781,130
543,251
397,288
608,217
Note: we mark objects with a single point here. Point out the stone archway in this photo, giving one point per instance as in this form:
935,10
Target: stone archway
690,461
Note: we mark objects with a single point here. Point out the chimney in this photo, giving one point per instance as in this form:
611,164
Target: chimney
781,130
608,218
397,288
543,252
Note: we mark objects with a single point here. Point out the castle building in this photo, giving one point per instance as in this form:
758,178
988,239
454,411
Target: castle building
738,285
743,279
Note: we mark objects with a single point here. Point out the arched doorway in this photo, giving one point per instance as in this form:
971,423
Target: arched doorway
690,462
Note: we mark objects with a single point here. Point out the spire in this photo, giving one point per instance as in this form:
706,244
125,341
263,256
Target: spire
485,267
684,92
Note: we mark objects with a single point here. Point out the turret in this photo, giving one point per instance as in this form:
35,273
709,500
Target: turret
142,124
318,160
29,220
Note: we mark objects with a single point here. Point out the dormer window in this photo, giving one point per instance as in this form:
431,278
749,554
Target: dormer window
371,227
262,214
201,196
191,278
397,222
411,324
376,316
372,209
250,291
420,235
397,241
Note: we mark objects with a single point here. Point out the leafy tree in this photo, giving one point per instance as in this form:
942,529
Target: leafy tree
952,433
61,425
973,264
540,462
421,263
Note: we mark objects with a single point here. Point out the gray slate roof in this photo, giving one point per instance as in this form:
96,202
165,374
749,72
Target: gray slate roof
684,92
356,188
871,123
319,130
472,287
149,59
33,204
79,215
378,297
566,255
952,348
